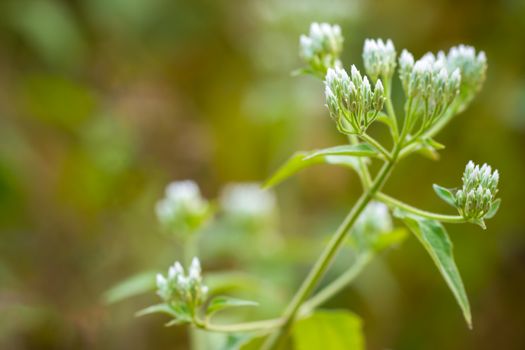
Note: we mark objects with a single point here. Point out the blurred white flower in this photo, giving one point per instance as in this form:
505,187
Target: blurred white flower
247,200
182,208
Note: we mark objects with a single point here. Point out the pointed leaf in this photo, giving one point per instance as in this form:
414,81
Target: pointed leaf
155,309
301,160
479,222
221,303
435,240
434,144
445,194
493,209
334,330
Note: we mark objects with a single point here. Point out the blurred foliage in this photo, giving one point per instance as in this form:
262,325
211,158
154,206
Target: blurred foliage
102,102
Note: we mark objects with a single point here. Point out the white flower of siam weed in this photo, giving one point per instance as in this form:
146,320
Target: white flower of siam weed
478,194
321,48
183,208
379,58
181,288
351,101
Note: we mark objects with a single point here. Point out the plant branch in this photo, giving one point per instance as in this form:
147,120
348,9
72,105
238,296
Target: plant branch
390,109
376,145
392,202
324,261
337,285
364,174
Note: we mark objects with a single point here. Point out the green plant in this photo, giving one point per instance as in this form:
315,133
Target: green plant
436,87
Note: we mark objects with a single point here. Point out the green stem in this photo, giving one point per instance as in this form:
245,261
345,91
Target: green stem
390,110
321,297
364,174
392,202
337,285
241,327
376,145
324,261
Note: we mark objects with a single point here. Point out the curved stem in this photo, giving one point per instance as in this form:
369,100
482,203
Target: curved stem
324,261
392,202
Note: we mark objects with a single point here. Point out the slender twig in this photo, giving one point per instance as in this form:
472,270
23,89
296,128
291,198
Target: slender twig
364,174
337,285
376,145
394,203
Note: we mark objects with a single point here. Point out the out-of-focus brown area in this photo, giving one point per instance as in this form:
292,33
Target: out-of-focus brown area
103,102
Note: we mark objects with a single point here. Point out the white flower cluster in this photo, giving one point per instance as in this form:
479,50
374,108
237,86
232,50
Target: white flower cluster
434,81
429,84
351,101
182,208
379,58
321,48
178,288
247,200
473,70
480,186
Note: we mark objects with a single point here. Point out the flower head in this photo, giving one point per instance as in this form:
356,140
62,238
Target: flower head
351,101
473,69
183,288
430,85
321,48
379,58
478,194
182,208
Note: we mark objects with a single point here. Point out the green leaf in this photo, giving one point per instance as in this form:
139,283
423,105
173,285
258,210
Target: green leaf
254,343
156,309
389,239
435,240
358,150
220,303
131,287
434,144
493,209
445,194
330,330
340,155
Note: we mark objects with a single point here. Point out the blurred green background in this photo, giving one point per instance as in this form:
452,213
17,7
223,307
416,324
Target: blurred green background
103,102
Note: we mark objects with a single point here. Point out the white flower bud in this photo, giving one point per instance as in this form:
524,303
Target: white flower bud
379,58
351,102
480,184
322,47
183,209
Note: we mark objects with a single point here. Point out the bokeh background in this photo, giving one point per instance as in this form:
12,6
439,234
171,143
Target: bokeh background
103,102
